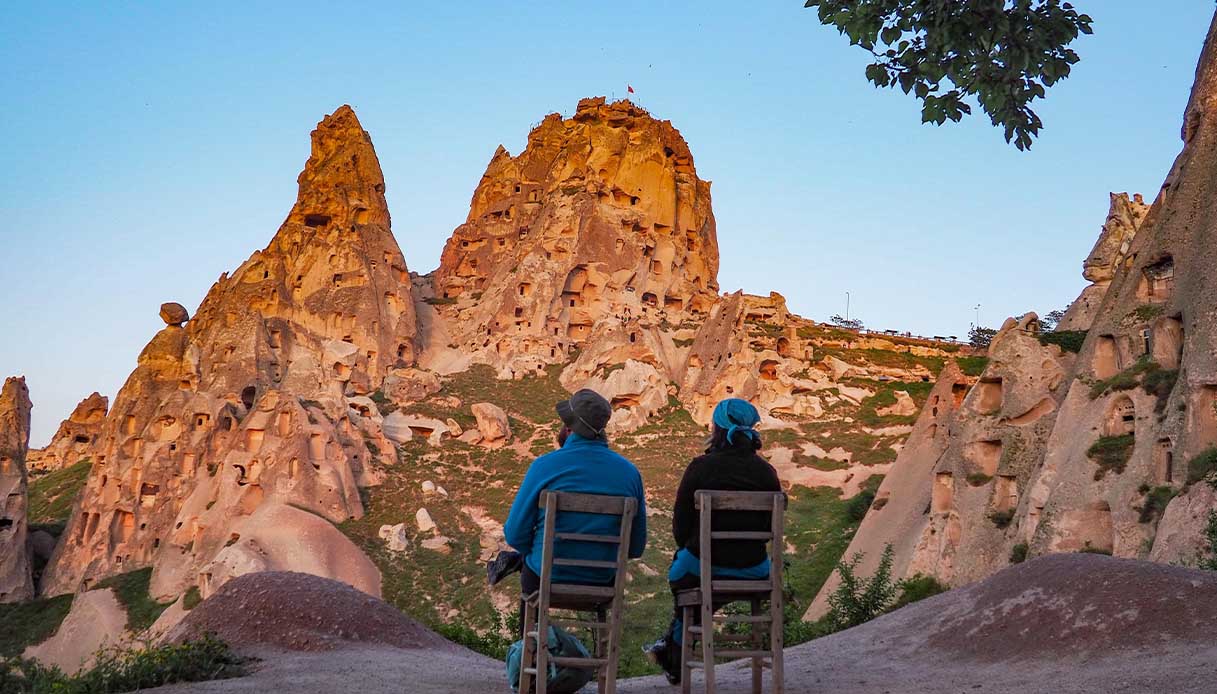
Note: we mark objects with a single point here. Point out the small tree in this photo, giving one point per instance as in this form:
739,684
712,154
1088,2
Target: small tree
1050,320
842,322
858,600
998,54
981,338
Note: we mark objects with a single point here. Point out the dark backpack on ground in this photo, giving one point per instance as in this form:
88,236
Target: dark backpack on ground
561,680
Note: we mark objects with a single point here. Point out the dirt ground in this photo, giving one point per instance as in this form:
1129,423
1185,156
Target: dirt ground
1066,623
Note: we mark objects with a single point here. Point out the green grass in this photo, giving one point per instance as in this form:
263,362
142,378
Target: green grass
972,366
1067,340
885,396
25,624
1125,380
1155,503
1203,467
53,494
1002,519
131,589
1111,454
978,479
191,598
917,587
1146,312
1160,383
440,300
127,670
1018,553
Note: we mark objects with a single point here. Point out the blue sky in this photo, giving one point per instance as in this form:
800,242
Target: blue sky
153,146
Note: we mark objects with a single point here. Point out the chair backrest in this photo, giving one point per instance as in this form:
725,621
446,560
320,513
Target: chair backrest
554,503
708,501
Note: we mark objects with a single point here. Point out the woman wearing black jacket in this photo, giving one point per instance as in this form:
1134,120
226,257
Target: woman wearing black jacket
730,463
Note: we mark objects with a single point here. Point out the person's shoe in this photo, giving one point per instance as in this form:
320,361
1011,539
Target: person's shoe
660,653
504,565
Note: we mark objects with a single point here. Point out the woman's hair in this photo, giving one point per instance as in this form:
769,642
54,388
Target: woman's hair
718,439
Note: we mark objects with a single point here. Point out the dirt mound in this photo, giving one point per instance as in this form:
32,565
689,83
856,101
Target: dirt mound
1070,605
302,612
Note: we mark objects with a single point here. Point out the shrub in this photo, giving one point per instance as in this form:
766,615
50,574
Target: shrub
1203,467
917,587
1146,312
492,642
1160,383
858,600
859,504
1067,340
440,300
1018,553
1111,454
1125,380
978,479
1094,550
192,598
1155,503
1002,519
127,670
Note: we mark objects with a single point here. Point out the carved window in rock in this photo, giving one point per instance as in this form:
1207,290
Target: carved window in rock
1106,357
1164,462
942,499
1157,280
1121,417
1166,344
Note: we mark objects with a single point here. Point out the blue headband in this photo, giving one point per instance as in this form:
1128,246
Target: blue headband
736,415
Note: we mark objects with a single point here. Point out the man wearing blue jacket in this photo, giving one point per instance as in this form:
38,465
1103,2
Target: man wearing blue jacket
583,464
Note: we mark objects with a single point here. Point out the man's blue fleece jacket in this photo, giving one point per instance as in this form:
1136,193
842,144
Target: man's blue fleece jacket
589,467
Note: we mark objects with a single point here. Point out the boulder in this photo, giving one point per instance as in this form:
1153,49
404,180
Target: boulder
174,314
492,423
423,519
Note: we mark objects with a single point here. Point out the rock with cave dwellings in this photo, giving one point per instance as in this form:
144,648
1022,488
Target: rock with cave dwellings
74,438
1104,446
16,583
246,405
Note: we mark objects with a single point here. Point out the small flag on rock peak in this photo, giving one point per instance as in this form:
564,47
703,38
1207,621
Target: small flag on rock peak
629,89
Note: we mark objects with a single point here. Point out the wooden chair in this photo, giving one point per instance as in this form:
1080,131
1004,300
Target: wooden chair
604,601
715,593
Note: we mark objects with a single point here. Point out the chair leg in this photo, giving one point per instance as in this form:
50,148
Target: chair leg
600,636
527,653
758,643
542,650
707,642
777,645
614,644
686,651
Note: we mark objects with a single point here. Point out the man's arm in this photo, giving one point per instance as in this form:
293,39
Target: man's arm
520,529
638,531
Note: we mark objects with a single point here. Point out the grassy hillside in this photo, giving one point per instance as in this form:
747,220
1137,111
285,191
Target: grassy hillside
448,590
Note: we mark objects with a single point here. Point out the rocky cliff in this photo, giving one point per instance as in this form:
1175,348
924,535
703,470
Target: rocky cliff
244,406
15,581
1112,449
74,438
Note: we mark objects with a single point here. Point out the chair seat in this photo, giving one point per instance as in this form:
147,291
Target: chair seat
732,591
571,596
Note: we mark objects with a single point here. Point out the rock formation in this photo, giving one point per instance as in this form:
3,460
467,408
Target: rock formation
246,406
1113,450
15,581
1124,217
74,438
599,226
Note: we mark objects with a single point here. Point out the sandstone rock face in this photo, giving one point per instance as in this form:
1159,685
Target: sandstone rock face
246,404
600,220
75,437
1054,452
15,581
1123,219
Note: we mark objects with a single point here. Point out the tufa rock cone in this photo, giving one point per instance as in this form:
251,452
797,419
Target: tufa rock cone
16,583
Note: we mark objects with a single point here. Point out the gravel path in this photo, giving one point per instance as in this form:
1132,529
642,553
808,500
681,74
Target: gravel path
1063,624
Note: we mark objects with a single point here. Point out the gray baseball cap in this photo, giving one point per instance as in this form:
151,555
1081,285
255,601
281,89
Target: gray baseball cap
586,413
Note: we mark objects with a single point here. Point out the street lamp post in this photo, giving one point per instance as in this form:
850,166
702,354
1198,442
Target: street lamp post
847,306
